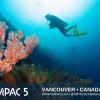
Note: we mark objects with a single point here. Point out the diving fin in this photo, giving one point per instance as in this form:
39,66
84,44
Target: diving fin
81,33
77,33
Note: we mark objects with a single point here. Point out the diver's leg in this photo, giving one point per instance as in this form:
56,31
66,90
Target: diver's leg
62,30
76,32
70,28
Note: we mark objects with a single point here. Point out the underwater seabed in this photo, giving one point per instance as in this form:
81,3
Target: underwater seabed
34,78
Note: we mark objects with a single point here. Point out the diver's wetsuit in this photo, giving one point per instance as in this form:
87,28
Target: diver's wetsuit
61,25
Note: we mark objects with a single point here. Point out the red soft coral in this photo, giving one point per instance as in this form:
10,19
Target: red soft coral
16,50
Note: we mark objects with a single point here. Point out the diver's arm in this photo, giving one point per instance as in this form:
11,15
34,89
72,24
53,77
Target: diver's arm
51,25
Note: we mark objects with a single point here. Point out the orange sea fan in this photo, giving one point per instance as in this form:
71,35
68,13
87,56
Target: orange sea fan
5,66
16,50
31,43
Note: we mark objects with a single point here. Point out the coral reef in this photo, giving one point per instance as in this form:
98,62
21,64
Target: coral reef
29,73
15,49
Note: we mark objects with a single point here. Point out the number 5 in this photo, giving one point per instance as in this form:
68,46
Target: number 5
25,91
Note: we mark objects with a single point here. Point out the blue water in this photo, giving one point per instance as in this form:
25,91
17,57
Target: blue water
80,54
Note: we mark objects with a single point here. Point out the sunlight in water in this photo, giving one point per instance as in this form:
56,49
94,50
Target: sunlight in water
35,10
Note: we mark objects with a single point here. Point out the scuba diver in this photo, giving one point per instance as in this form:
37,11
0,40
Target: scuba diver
55,22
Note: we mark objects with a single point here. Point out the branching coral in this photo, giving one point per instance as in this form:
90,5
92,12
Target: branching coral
15,49
3,28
